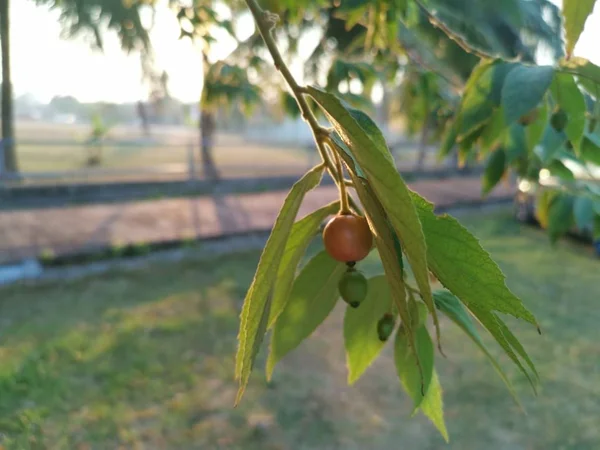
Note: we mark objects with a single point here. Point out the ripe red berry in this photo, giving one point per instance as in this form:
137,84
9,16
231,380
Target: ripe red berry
347,238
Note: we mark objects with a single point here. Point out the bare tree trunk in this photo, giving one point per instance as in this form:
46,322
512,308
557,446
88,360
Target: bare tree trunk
143,115
423,145
207,136
207,132
10,157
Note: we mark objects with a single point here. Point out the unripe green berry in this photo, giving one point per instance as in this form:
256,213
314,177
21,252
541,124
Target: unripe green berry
559,119
385,327
353,287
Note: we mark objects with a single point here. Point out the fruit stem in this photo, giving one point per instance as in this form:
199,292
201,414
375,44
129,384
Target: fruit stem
344,205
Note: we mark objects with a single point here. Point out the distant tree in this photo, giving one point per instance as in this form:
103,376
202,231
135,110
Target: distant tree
95,142
77,17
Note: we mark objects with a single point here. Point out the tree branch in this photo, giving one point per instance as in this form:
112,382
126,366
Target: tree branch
265,21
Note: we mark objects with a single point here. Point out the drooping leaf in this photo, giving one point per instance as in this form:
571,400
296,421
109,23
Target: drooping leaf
476,104
535,130
448,140
542,206
524,89
451,306
367,145
558,169
494,170
255,304
583,210
552,142
575,13
299,238
386,242
560,216
590,149
515,143
482,95
312,298
493,130
360,328
406,363
596,231
507,340
587,73
457,259
569,98
433,405
389,251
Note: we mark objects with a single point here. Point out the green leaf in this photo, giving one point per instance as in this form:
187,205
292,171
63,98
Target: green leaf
460,263
448,140
575,13
596,231
347,155
453,309
369,150
558,169
299,238
493,130
552,142
481,96
587,73
515,143
567,95
256,302
370,128
524,89
507,340
589,149
407,366
388,248
560,216
433,405
542,207
477,103
312,298
360,328
494,170
583,210
535,130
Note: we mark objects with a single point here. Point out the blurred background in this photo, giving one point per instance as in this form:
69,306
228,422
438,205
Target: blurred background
146,149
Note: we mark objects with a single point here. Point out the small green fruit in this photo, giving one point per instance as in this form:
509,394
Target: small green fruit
353,287
385,327
559,119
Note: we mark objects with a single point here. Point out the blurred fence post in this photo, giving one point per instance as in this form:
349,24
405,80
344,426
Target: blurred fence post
191,163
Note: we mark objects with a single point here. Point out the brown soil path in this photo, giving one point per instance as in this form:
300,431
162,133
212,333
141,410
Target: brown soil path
27,233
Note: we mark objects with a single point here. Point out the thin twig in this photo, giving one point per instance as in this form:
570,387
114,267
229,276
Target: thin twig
265,22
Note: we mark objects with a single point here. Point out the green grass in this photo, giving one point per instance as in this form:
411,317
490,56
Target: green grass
144,360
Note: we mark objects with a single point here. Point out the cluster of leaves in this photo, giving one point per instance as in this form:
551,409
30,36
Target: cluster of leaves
226,85
525,118
407,234
91,16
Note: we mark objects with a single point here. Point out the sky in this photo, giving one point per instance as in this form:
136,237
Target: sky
45,65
